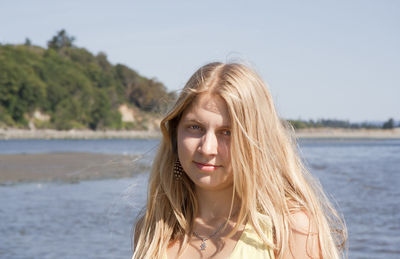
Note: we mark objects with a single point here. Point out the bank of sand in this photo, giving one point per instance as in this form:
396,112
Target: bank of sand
67,167
90,134
349,133
11,133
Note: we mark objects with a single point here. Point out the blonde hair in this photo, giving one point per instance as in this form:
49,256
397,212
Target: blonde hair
269,177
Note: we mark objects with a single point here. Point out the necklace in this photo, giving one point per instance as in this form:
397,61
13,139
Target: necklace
203,245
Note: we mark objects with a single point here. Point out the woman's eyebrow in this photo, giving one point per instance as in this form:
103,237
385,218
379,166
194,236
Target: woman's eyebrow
193,120
228,126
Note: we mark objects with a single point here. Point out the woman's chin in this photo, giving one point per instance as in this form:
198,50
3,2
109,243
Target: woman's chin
207,182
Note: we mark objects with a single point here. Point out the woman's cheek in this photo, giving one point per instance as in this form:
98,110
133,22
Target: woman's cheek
224,147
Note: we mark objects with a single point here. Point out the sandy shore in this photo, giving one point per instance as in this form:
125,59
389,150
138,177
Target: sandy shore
68,167
90,134
75,134
349,133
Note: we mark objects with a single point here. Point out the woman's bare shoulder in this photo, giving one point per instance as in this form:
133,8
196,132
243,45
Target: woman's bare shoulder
304,242
300,222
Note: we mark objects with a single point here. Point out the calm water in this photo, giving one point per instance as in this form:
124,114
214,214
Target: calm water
93,219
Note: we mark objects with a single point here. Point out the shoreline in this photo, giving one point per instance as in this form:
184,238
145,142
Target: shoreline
76,134
328,133
341,133
70,167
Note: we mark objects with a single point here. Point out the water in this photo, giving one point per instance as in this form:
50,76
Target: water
93,219
86,220
363,176
106,146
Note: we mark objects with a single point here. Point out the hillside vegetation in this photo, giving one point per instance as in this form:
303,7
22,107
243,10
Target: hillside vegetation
64,87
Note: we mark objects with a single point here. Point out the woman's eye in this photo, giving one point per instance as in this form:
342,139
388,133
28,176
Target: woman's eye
194,127
226,132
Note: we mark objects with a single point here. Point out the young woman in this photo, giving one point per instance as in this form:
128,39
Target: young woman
227,181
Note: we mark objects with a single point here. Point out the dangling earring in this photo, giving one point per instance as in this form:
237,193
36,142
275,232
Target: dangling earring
178,170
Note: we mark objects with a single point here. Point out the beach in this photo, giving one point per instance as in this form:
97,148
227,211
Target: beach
349,133
11,133
67,167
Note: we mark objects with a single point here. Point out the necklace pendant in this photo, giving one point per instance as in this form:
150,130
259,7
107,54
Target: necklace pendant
203,245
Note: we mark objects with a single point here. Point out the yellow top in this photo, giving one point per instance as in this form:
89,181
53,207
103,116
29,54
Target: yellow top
250,245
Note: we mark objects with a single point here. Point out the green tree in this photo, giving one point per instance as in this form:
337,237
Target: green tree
298,124
67,114
100,110
27,42
389,124
61,40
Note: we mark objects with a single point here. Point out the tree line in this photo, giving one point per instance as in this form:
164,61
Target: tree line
76,88
327,123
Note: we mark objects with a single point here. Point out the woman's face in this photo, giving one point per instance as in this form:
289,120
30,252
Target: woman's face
204,143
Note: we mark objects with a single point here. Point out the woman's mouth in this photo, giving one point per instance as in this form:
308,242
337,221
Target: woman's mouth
206,167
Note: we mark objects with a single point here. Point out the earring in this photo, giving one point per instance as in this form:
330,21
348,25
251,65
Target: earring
178,170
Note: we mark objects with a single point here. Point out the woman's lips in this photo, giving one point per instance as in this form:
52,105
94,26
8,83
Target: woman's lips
206,167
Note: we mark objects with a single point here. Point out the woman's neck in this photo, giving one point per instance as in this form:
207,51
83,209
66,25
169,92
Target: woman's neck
215,204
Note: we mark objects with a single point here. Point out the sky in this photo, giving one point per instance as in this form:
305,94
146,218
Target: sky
320,59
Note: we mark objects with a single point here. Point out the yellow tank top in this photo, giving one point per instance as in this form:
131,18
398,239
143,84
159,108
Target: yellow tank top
251,246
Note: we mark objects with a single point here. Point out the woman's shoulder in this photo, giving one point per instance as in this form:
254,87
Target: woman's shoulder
305,239
300,222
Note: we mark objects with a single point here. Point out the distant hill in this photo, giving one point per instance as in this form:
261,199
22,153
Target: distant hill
65,87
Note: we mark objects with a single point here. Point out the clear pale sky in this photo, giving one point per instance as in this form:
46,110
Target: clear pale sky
337,59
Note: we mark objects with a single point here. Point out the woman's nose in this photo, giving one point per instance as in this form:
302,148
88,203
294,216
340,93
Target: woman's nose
209,144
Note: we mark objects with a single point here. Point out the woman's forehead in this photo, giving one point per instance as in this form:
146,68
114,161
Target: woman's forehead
206,105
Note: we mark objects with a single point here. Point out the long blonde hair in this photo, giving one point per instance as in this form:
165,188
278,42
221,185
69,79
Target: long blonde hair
269,177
